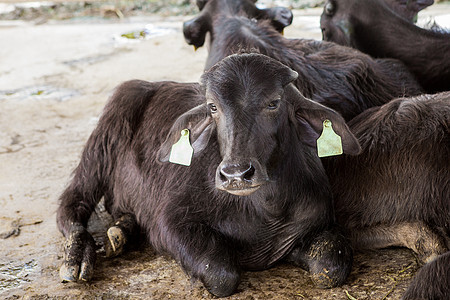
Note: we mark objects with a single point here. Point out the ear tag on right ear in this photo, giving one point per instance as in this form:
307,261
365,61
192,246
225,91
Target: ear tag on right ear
329,143
181,152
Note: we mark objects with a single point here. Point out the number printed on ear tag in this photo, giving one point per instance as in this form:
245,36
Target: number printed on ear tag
329,143
182,150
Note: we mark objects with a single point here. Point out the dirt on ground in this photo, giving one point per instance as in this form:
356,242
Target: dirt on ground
55,77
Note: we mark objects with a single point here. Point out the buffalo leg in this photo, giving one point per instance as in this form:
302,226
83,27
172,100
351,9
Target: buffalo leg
77,204
206,255
119,234
328,259
79,255
415,236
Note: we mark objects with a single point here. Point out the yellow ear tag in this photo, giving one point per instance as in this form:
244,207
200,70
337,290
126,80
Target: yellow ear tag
182,150
329,143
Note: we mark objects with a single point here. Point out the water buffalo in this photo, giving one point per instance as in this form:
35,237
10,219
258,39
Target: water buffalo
372,27
255,192
339,77
397,191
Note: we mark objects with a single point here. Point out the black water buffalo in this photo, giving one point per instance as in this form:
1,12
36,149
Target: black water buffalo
372,27
255,192
339,77
195,30
401,177
397,191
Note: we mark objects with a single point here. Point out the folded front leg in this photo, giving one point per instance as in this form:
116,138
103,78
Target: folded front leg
328,258
207,255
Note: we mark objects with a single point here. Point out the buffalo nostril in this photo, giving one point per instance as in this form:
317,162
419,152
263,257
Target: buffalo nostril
248,175
223,177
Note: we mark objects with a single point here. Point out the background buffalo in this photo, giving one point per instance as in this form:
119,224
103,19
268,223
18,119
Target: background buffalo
372,27
338,77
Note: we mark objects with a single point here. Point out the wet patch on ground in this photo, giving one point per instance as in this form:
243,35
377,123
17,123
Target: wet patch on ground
150,31
41,92
14,275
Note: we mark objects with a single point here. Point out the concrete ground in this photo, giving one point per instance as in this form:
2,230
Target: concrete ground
54,80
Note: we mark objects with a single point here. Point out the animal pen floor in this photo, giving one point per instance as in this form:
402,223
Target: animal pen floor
55,79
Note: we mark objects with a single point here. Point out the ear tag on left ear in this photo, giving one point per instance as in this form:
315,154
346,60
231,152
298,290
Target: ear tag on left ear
329,143
182,150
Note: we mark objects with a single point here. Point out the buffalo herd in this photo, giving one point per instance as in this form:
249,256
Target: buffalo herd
287,150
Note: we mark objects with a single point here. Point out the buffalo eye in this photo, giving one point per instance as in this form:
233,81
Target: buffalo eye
273,104
212,107
329,8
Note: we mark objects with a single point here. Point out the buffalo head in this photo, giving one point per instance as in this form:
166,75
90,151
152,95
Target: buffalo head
339,17
260,120
210,10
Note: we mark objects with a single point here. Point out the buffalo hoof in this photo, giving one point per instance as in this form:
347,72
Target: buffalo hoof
115,242
79,256
328,259
326,279
221,282
329,263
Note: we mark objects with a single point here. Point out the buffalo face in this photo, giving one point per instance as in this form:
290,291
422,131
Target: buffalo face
249,113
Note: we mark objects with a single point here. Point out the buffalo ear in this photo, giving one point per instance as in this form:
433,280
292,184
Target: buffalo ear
421,4
195,31
414,5
280,17
287,76
201,4
200,125
408,9
310,116
284,73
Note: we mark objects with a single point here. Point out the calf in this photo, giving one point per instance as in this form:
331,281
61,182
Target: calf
397,191
372,27
339,77
255,192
